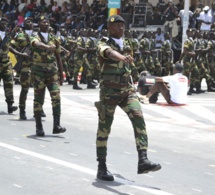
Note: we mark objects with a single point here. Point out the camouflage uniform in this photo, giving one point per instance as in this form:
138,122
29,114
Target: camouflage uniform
92,57
191,70
6,73
145,45
211,58
154,54
166,61
22,42
45,74
115,90
80,59
137,55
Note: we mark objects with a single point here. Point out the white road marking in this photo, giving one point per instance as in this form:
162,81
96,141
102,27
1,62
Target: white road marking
16,185
212,165
167,163
152,150
50,168
196,190
73,154
85,179
16,157
42,146
127,152
209,173
15,138
176,151
82,169
147,175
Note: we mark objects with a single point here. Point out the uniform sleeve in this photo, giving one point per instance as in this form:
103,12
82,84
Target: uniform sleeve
186,44
101,49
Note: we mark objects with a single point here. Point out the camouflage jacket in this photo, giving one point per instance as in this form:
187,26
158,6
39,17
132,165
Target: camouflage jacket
113,68
189,44
42,55
4,58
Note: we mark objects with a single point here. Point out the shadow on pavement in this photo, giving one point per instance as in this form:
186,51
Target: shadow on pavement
118,181
44,138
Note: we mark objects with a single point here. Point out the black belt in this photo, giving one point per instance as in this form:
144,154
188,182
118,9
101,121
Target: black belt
116,78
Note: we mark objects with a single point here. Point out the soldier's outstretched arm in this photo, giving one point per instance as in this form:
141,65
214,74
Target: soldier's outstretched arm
114,55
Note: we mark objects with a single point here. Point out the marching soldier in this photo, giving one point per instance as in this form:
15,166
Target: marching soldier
145,48
21,42
46,72
136,52
6,71
191,70
166,55
80,60
155,56
91,46
116,90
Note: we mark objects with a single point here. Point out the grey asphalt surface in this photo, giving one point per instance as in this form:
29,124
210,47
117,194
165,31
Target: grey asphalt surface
181,139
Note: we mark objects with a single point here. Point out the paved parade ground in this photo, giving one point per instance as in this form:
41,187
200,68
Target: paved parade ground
181,139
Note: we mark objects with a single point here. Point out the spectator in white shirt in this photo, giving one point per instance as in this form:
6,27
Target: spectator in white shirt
159,38
205,19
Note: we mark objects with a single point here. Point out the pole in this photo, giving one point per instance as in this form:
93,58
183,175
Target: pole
185,21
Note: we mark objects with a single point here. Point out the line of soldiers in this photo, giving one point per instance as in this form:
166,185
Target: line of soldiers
198,58
147,57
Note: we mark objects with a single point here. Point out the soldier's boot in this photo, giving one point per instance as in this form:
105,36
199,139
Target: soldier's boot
198,88
56,127
75,86
145,165
90,84
69,80
11,108
210,86
191,90
39,127
102,172
43,113
22,113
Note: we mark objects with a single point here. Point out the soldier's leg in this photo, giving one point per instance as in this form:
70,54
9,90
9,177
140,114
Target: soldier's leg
38,80
133,109
25,81
54,90
90,84
106,109
8,87
77,65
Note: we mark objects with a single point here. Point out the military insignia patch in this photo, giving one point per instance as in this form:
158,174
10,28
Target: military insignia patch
112,19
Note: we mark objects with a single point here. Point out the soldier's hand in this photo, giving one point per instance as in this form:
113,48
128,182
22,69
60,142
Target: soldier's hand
51,48
25,55
128,59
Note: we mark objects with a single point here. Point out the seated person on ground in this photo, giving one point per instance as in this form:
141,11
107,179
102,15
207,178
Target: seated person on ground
176,90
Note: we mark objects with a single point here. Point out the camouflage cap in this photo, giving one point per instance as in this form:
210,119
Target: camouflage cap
43,18
28,19
4,19
115,18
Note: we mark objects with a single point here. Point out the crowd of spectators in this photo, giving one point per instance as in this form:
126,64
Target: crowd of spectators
73,14
77,14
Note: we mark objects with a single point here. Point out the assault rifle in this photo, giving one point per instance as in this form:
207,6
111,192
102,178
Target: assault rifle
7,37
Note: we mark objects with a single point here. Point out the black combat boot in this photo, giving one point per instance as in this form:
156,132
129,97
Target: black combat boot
90,84
144,165
198,88
75,86
57,128
43,113
69,80
210,86
103,173
22,114
39,126
191,90
11,108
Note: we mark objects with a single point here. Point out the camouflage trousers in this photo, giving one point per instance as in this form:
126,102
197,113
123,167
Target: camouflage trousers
167,68
25,81
42,79
128,101
95,67
79,61
191,71
6,74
